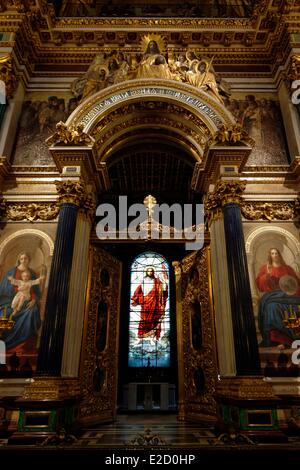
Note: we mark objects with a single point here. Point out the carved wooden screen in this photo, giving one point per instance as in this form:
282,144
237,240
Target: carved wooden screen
99,365
196,345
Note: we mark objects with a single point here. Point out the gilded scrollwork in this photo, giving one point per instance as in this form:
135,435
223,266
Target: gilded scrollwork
65,135
31,212
276,210
101,402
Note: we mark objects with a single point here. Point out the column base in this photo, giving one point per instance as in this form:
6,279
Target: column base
48,407
247,407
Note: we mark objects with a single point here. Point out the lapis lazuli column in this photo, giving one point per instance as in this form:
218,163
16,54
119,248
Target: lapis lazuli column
53,331
243,322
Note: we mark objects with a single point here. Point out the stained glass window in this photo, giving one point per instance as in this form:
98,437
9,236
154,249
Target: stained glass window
149,321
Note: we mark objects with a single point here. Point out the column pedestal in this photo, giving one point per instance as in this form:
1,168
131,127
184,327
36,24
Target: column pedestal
49,403
47,407
247,407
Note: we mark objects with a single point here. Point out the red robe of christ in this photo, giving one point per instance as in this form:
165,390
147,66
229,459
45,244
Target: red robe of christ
152,308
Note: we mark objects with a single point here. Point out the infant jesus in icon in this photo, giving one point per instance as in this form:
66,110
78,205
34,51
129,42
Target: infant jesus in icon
23,292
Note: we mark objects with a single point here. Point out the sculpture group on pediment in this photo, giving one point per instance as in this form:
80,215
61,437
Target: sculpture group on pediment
116,67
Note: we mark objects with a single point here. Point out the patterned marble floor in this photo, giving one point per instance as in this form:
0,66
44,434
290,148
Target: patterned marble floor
133,440
155,430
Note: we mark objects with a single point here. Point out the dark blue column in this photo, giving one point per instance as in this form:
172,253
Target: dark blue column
2,112
245,340
52,338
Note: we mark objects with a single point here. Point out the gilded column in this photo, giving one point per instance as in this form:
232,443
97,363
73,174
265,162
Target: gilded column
77,290
52,338
221,291
244,331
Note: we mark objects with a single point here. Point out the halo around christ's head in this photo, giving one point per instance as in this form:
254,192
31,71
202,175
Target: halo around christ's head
160,41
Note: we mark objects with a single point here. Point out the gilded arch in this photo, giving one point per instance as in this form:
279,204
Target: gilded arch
189,115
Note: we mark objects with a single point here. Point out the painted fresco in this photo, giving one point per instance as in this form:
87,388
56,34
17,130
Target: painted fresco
275,277
39,116
261,117
25,265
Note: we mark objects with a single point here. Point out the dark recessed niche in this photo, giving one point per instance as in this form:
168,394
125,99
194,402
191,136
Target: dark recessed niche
196,325
199,380
101,331
98,379
104,277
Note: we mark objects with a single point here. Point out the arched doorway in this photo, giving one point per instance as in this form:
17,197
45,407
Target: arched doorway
146,136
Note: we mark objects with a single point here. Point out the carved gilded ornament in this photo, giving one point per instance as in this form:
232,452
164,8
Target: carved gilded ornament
7,75
29,211
101,402
70,192
197,290
248,388
225,192
88,206
232,135
270,210
48,388
65,135
212,206
32,212
295,68
116,67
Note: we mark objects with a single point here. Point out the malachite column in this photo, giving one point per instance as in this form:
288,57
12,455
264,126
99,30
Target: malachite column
243,323
53,331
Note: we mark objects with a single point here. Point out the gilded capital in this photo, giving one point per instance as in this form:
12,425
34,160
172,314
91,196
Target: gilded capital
88,206
71,136
230,191
70,192
225,192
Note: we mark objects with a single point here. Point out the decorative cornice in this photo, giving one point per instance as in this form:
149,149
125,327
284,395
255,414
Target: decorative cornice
70,136
277,210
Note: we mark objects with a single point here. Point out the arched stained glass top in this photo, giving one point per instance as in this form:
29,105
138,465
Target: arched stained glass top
149,322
